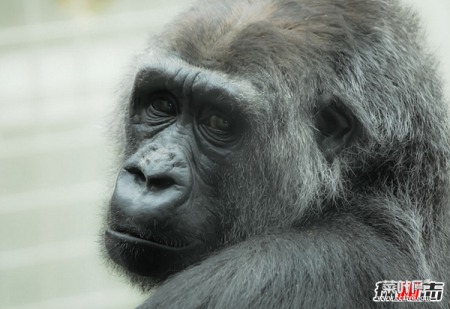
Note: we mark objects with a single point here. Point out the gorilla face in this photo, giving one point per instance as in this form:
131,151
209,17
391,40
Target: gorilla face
182,129
186,129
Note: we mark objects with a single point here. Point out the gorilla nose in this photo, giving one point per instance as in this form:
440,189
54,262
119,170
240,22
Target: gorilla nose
153,181
149,190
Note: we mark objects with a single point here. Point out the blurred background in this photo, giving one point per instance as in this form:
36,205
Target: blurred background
61,62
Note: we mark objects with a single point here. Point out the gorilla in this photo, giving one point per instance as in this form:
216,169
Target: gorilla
282,154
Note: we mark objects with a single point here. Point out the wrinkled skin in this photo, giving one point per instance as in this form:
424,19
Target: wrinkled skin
282,154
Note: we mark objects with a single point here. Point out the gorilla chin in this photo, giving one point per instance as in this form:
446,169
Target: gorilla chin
151,258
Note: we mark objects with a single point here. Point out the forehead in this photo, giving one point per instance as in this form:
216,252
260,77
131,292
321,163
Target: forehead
273,46
226,34
254,36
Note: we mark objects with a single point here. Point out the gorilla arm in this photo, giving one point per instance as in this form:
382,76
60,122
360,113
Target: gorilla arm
312,268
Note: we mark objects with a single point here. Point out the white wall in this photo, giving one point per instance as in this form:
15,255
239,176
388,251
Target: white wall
435,15
60,64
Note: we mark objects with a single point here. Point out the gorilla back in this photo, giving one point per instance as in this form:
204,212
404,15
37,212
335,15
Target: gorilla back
282,154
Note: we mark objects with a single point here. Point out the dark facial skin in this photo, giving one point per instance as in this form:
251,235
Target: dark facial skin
183,128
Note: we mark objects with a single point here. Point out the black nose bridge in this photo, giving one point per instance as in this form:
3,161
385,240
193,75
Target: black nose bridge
151,161
156,159
159,168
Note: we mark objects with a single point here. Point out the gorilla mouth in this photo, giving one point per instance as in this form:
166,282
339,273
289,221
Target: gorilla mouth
173,243
153,257
153,239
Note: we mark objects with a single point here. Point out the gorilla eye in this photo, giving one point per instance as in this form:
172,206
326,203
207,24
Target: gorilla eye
219,123
164,105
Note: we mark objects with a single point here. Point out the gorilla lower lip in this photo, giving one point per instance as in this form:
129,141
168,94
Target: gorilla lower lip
169,244
148,258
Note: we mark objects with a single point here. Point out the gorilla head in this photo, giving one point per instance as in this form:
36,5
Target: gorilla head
275,147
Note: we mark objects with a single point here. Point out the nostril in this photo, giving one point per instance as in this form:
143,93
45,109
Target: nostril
152,181
137,173
160,183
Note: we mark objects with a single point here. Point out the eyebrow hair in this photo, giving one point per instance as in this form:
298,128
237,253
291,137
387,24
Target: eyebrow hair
155,77
213,94
196,85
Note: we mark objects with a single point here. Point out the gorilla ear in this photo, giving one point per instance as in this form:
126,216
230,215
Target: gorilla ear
336,124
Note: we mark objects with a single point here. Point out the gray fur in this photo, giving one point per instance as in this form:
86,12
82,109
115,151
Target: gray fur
301,232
